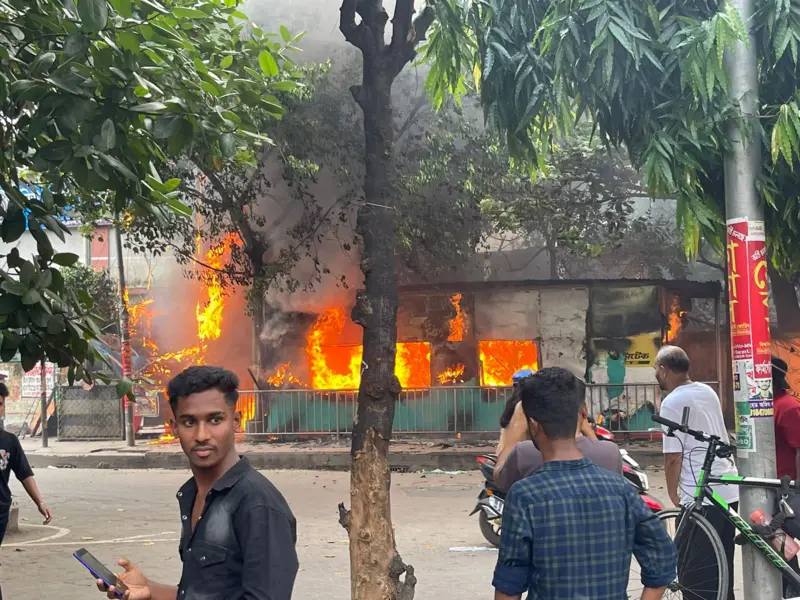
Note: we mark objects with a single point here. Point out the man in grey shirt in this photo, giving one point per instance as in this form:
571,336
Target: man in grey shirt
517,457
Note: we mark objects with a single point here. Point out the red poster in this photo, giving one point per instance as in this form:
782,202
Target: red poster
749,314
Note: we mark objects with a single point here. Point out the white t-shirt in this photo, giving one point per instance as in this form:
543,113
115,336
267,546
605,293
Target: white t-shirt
705,415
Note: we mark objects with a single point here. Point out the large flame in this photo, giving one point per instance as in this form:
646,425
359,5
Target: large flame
501,359
209,314
458,324
451,375
338,367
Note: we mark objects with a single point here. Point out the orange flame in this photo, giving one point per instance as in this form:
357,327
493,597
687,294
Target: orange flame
451,375
675,319
283,375
209,316
413,364
501,359
458,324
335,367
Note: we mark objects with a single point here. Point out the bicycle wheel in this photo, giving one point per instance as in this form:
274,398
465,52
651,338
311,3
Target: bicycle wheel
707,580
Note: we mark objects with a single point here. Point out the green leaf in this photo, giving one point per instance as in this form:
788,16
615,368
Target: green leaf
285,86
227,145
182,12
65,259
267,63
149,107
13,226
124,387
76,44
27,359
44,279
93,14
226,62
285,34
118,166
56,325
108,135
43,63
166,127
32,296
179,208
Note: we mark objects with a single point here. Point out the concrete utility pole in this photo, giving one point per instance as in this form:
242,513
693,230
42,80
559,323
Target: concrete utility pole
43,379
749,310
125,337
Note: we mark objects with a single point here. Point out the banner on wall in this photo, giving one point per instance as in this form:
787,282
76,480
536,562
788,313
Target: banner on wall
749,322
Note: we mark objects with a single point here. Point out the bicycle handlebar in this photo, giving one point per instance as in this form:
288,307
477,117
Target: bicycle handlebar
700,436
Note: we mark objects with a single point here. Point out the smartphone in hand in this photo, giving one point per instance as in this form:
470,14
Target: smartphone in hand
100,571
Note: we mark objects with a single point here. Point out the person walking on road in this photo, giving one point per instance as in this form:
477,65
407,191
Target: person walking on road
683,461
570,528
238,534
12,458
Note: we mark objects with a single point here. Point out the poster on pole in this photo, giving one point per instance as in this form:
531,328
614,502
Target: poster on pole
749,324
32,381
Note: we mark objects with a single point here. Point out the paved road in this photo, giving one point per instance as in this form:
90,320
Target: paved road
134,514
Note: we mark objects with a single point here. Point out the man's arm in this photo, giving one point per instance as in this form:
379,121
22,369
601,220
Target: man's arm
673,453
23,472
653,548
267,541
515,431
672,469
33,491
513,571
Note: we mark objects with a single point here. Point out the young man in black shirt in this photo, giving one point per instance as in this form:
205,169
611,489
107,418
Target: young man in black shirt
238,535
12,458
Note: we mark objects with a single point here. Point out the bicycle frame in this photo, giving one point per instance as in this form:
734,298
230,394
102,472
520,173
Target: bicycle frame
705,492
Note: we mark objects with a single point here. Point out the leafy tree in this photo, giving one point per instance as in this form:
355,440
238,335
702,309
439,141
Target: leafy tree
100,286
95,95
650,75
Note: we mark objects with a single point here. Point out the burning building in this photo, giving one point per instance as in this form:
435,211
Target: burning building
458,346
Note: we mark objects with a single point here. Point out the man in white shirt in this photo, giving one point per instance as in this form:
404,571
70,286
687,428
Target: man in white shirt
683,460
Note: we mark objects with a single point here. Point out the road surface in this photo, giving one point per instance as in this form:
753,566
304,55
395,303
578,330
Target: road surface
134,514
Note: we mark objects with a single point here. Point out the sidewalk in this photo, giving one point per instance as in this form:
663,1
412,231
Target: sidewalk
403,456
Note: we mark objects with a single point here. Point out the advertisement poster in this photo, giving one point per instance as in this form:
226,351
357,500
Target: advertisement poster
32,381
749,322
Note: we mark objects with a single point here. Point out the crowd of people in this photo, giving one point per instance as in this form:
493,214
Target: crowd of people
571,522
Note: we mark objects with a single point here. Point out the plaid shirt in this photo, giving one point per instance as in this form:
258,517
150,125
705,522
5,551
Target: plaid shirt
569,531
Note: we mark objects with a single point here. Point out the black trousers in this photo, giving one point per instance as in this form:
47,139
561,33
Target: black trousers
4,510
697,566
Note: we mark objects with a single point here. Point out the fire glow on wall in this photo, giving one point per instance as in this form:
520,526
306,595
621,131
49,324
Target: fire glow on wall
334,366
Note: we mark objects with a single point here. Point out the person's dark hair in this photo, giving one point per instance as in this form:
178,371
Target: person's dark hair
200,379
779,372
511,404
4,393
673,359
553,397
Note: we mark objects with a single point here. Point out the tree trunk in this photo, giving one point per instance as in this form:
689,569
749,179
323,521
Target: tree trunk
376,567
552,256
257,306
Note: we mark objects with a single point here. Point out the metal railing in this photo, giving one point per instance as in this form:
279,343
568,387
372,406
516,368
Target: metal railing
445,411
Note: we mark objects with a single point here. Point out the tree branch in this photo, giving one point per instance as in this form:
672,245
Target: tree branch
406,34
357,35
421,102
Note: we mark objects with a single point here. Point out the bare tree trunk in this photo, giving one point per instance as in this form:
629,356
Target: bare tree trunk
552,256
376,567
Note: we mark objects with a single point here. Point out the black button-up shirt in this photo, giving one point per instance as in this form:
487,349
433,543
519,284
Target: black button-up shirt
243,546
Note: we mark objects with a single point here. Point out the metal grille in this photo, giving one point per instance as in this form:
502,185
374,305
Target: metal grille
94,414
447,411
450,411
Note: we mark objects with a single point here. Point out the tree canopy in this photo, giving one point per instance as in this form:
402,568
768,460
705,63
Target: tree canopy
96,96
650,75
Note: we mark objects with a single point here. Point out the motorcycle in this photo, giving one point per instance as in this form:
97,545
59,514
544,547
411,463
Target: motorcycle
491,499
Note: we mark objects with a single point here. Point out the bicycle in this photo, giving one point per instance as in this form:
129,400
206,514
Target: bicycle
692,515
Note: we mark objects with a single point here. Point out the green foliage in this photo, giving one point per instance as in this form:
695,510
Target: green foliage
100,287
650,75
95,97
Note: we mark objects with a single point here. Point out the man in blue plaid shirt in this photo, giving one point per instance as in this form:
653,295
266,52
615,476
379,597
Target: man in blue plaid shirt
569,529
